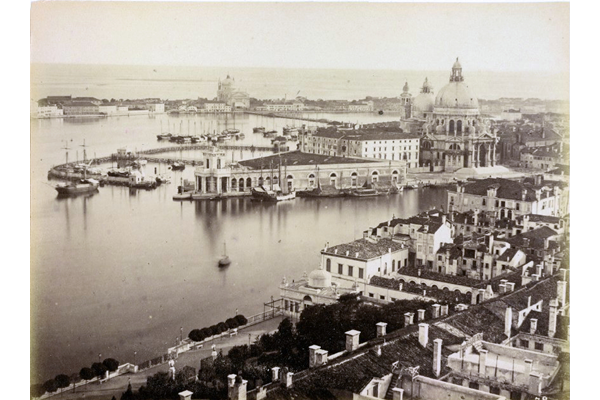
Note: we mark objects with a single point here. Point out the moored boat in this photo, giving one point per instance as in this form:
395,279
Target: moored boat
86,185
178,166
164,136
258,129
225,260
261,193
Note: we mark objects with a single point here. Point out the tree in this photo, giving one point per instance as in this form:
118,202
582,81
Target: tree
75,378
196,335
185,375
50,386
214,330
222,327
111,364
241,319
99,370
206,332
62,381
232,323
87,374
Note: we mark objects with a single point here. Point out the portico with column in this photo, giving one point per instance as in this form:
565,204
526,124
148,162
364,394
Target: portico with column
214,176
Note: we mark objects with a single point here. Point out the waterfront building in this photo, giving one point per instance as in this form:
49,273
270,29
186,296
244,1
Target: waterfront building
92,100
49,111
361,106
506,197
356,262
228,93
277,107
216,107
293,170
156,108
455,135
367,143
80,108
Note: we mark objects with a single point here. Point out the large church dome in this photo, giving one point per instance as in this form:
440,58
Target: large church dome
456,94
319,278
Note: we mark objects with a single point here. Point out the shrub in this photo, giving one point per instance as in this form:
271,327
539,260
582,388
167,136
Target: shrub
241,319
214,330
205,332
222,327
232,323
87,374
99,369
50,386
196,335
62,381
111,364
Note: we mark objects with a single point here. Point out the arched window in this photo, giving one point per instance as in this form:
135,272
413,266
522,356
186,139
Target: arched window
451,126
354,178
249,182
395,176
311,180
375,176
260,181
459,126
241,183
233,183
328,265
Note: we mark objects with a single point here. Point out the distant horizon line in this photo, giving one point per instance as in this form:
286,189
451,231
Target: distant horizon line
305,68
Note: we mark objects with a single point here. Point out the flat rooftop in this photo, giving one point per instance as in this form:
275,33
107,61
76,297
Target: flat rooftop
297,157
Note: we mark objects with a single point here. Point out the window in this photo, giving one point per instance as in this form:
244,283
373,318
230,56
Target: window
483,202
340,269
371,295
361,273
497,203
525,343
328,265
393,265
539,346
381,297
350,270
518,206
494,390
430,249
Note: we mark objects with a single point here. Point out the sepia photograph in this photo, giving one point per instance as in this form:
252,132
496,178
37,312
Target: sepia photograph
299,200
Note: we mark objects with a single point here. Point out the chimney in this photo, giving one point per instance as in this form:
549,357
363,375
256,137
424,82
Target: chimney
443,219
482,361
437,357
538,269
352,339
533,325
528,301
552,318
397,393
523,194
423,334
381,329
409,318
421,315
275,374
321,357
561,292
502,288
535,384
312,355
510,286
185,395
535,277
289,379
563,274
435,310
444,310
508,321
236,387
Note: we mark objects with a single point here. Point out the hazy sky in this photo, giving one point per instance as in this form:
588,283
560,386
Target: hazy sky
509,36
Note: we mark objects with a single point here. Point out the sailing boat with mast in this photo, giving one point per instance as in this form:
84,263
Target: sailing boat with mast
85,185
225,260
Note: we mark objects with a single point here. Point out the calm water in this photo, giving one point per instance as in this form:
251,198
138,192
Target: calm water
122,271
123,82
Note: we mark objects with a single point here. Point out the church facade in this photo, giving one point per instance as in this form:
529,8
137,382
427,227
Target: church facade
229,94
454,135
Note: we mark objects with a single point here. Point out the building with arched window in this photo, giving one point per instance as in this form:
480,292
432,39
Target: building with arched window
293,170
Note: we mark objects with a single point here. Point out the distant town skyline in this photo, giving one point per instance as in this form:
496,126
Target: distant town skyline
486,36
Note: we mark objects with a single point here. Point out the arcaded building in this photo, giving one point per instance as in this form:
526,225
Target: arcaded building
293,170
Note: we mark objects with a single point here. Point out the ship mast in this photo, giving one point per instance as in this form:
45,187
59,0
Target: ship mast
84,154
67,148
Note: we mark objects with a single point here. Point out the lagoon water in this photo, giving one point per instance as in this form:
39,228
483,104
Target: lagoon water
123,270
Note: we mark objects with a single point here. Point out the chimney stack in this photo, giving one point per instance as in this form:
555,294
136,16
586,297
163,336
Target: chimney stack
528,365
381,329
421,315
533,325
289,379
502,288
561,292
508,321
352,339
275,374
437,357
552,318
444,310
185,395
563,274
435,310
482,362
312,356
423,334
510,286
408,318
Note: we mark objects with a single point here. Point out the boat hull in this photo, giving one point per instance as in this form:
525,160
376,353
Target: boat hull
76,188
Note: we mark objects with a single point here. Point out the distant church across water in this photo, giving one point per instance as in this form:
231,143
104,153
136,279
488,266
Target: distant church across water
229,94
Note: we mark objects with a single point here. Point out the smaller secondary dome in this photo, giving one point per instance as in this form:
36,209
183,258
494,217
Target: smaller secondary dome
319,278
427,87
424,102
405,88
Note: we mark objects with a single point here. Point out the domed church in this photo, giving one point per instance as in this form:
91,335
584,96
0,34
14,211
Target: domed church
455,135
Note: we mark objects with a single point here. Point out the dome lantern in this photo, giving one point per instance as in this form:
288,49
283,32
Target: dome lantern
319,279
456,72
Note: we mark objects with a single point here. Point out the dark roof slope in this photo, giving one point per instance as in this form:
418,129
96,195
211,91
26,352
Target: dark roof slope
298,158
506,188
366,249
534,238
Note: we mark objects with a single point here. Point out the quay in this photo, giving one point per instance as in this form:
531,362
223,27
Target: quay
275,115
